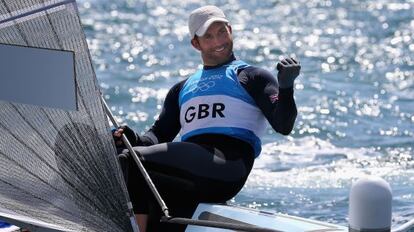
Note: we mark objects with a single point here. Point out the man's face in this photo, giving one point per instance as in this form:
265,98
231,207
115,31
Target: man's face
216,45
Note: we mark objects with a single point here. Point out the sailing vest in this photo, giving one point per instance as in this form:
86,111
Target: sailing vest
213,101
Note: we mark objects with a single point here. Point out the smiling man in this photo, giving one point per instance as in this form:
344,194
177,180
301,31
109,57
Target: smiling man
221,112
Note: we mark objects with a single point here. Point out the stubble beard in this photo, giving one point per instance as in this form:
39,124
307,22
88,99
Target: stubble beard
221,58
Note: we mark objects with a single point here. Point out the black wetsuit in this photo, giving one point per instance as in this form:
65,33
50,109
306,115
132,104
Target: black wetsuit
207,167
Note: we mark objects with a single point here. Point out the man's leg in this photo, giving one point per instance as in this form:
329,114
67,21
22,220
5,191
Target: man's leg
127,170
182,172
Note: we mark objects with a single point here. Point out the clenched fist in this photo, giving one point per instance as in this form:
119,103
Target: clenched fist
288,69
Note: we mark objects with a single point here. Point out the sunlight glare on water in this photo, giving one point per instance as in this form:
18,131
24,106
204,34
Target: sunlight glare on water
354,95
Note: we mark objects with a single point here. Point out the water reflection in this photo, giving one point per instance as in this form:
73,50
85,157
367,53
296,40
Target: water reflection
354,96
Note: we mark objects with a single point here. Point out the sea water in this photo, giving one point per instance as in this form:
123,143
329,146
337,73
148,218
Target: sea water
355,94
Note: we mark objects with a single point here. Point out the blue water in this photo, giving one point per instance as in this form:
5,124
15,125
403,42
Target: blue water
354,96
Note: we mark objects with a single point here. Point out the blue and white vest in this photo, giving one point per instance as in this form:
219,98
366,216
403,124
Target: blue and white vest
213,101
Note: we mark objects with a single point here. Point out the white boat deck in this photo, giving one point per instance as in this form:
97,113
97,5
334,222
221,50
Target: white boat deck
246,216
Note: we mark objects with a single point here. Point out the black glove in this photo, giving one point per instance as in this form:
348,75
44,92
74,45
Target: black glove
129,133
288,69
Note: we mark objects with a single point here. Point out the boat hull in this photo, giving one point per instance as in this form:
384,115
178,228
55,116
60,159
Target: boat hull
246,216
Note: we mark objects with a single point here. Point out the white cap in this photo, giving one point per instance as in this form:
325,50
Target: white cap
201,18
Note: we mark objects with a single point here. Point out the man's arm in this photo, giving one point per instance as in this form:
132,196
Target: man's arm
165,128
167,125
277,104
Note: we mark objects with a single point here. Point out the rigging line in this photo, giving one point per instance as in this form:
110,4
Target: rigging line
140,166
36,176
47,164
33,11
16,24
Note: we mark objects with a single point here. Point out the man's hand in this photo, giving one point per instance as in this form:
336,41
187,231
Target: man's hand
129,133
288,69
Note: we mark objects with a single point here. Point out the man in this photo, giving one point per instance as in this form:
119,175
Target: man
221,111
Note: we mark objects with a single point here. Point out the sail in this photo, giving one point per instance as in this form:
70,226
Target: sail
58,166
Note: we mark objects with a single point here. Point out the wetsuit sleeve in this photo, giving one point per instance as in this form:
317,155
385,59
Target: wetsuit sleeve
167,125
277,104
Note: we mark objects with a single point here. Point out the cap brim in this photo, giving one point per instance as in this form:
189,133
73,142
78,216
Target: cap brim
202,30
